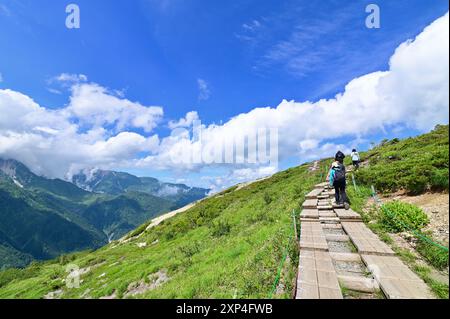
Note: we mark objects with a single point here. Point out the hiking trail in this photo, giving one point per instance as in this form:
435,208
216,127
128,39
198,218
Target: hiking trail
339,252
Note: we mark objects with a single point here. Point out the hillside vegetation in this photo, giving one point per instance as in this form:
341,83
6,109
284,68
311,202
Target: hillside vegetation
42,218
230,245
415,164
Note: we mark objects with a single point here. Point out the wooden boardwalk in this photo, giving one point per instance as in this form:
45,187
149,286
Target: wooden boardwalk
317,275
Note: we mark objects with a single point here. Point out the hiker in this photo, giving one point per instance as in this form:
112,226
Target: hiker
355,158
336,177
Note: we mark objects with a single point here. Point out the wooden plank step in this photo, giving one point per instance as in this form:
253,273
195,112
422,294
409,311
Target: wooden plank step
347,214
306,220
314,193
317,278
310,213
312,236
326,213
395,279
365,240
310,203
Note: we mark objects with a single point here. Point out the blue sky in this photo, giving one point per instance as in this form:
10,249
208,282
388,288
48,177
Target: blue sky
218,58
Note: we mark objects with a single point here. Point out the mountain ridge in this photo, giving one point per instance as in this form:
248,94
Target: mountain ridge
80,219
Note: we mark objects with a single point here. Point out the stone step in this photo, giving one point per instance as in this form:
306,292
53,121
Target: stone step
332,226
329,220
347,257
359,283
332,237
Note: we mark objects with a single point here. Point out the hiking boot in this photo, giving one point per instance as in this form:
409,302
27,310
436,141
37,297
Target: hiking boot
346,206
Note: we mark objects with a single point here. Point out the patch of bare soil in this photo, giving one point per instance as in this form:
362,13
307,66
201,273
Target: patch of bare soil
436,206
156,280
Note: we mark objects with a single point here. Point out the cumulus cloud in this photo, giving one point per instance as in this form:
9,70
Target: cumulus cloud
187,121
412,93
95,105
94,128
55,142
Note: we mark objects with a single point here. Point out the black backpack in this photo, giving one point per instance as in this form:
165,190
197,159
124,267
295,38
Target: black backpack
339,173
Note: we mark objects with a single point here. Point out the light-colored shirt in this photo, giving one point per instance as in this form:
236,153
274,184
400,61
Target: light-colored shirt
355,156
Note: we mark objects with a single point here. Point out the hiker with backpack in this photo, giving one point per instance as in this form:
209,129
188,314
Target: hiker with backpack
355,158
336,177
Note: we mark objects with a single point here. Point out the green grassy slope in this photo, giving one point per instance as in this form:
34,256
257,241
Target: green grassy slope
227,245
42,218
231,244
415,164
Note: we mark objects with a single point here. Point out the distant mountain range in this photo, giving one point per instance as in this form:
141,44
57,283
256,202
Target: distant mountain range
114,183
42,218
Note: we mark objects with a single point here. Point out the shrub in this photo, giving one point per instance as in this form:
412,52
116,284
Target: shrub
416,184
439,179
221,228
397,216
190,250
267,198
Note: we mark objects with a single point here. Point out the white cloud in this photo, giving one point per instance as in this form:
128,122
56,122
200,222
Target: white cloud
252,26
95,105
412,93
54,142
184,122
235,176
203,88
70,78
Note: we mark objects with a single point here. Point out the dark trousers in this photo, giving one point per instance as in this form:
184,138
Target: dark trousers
340,194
